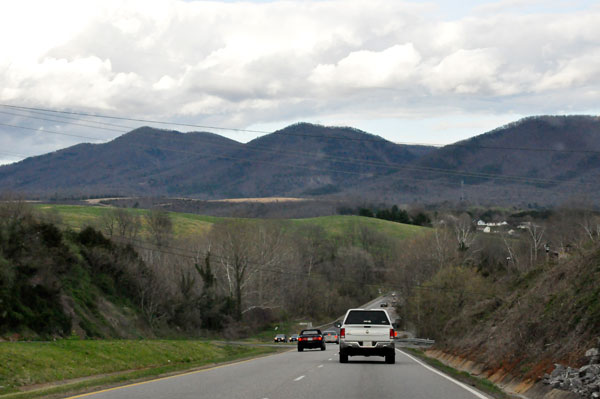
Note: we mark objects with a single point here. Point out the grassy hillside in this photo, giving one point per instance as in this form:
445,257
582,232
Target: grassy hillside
339,225
188,224
31,363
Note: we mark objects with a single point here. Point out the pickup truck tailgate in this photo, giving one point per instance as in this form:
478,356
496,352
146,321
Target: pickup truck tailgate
367,333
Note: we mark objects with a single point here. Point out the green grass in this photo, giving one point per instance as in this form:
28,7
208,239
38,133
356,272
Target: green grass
76,216
338,226
482,384
29,363
187,224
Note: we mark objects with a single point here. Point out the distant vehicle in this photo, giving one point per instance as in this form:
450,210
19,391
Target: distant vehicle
280,338
331,336
294,338
384,304
367,333
310,339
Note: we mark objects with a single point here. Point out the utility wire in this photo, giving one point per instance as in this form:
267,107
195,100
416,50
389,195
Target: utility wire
53,132
398,167
373,139
138,120
60,121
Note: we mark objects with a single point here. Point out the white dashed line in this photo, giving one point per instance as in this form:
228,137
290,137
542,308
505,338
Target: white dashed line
330,359
320,365
299,378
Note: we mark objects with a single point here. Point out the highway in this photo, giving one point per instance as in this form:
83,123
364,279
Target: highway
299,375
308,374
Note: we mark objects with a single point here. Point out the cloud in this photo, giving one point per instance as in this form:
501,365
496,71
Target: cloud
244,63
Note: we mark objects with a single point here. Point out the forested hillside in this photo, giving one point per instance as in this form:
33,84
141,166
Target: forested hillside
133,273
537,161
514,300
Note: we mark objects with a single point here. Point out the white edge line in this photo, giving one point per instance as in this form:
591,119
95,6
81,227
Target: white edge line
302,376
460,384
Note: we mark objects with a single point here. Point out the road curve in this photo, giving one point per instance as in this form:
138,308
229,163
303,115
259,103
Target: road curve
299,375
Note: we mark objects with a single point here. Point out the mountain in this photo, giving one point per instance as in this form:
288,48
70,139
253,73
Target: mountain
544,160
306,159
302,159
135,162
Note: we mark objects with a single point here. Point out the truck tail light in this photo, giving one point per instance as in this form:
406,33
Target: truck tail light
392,333
343,333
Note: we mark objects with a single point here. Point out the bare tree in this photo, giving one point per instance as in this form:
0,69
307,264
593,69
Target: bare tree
463,230
535,233
127,223
590,223
160,226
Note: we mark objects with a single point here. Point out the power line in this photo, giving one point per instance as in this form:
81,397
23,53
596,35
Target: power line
47,113
373,139
388,165
397,167
53,132
138,120
13,154
59,121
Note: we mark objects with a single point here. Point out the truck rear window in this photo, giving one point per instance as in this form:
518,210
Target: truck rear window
367,317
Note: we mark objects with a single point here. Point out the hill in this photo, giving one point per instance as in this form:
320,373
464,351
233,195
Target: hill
300,159
537,161
187,224
542,160
145,160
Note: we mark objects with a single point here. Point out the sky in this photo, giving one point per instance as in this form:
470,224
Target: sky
412,72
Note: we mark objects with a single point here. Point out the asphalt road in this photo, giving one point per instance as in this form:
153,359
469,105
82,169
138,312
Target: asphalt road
299,375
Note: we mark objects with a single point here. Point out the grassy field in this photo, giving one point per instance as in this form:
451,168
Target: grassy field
340,225
184,224
30,363
187,224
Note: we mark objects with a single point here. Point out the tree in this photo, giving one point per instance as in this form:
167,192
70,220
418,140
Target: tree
535,233
160,225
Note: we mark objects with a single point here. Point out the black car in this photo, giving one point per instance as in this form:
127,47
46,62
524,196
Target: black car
280,338
311,339
294,338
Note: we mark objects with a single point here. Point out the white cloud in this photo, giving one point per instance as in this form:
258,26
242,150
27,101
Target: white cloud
244,63
369,69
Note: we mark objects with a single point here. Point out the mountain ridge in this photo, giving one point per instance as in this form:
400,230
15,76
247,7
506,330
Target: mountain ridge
509,163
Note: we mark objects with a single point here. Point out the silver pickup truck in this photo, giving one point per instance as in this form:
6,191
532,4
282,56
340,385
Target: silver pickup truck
367,332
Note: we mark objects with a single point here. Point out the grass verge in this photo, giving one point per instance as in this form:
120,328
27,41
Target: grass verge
481,384
72,366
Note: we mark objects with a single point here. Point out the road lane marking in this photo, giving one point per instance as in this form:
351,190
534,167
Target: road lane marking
174,376
330,359
460,384
320,365
299,378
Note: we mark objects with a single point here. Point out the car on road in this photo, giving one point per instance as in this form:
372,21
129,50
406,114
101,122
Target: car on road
280,338
384,304
311,339
331,336
367,332
294,338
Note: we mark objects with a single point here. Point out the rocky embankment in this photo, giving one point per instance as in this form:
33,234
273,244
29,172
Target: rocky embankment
584,381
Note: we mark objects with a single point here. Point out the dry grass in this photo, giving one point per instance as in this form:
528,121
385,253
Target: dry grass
266,200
